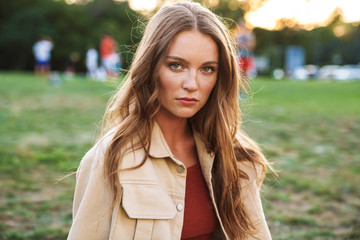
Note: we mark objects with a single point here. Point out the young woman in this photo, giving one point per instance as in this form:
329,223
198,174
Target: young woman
173,163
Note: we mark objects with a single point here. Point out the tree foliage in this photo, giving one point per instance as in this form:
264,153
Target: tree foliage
72,27
321,44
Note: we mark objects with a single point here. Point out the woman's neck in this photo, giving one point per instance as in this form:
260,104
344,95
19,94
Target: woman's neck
174,129
178,135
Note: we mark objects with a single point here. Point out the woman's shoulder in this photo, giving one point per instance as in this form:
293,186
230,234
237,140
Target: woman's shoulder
95,156
253,170
252,167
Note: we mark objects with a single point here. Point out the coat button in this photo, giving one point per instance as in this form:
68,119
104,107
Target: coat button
180,169
180,207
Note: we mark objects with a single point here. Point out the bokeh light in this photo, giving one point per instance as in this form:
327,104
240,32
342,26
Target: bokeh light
307,14
141,5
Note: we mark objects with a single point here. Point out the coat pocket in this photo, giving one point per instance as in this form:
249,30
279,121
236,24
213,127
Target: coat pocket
151,207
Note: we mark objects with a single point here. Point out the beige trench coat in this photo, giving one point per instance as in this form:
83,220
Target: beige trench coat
152,203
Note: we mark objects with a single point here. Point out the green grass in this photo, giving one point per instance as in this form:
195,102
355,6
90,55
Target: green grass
45,131
309,130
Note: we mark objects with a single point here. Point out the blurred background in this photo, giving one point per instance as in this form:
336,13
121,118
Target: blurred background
60,61
300,37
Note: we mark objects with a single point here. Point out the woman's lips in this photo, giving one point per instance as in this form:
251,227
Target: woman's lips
187,101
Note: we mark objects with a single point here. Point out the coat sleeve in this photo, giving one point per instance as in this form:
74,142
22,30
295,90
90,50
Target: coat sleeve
252,201
92,199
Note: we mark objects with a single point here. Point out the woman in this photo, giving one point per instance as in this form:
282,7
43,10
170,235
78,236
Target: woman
173,163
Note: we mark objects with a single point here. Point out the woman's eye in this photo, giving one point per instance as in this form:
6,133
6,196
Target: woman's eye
175,66
208,69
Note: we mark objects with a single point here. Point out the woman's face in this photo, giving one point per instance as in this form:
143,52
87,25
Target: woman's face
188,74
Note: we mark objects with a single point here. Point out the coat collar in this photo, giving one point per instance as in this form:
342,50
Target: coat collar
206,157
160,149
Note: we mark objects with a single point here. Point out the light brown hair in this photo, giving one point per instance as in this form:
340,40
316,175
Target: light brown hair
133,107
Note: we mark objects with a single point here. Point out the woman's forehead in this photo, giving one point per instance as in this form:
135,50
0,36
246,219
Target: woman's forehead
192,43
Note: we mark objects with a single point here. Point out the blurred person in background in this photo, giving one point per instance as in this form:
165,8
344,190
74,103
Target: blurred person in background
71,65
245,42
42,53
92,62
172,162
108,54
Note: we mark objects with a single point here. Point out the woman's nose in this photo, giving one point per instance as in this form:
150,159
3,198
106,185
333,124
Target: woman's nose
190,82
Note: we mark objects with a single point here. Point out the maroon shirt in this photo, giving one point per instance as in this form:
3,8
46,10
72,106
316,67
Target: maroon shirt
200,219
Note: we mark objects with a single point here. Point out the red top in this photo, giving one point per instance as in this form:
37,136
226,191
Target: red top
200,219
107,46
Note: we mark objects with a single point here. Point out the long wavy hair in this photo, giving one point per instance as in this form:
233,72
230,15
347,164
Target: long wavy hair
132,109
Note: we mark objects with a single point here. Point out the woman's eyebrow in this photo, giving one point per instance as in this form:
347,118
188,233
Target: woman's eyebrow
177,59
185,61
210,62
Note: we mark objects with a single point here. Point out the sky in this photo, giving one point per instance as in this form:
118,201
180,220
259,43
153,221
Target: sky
143,4
307,14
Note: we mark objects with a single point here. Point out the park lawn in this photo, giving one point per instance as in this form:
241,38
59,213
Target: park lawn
45,131
309,130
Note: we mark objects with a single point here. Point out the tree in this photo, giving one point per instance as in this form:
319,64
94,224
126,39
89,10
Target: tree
72,28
